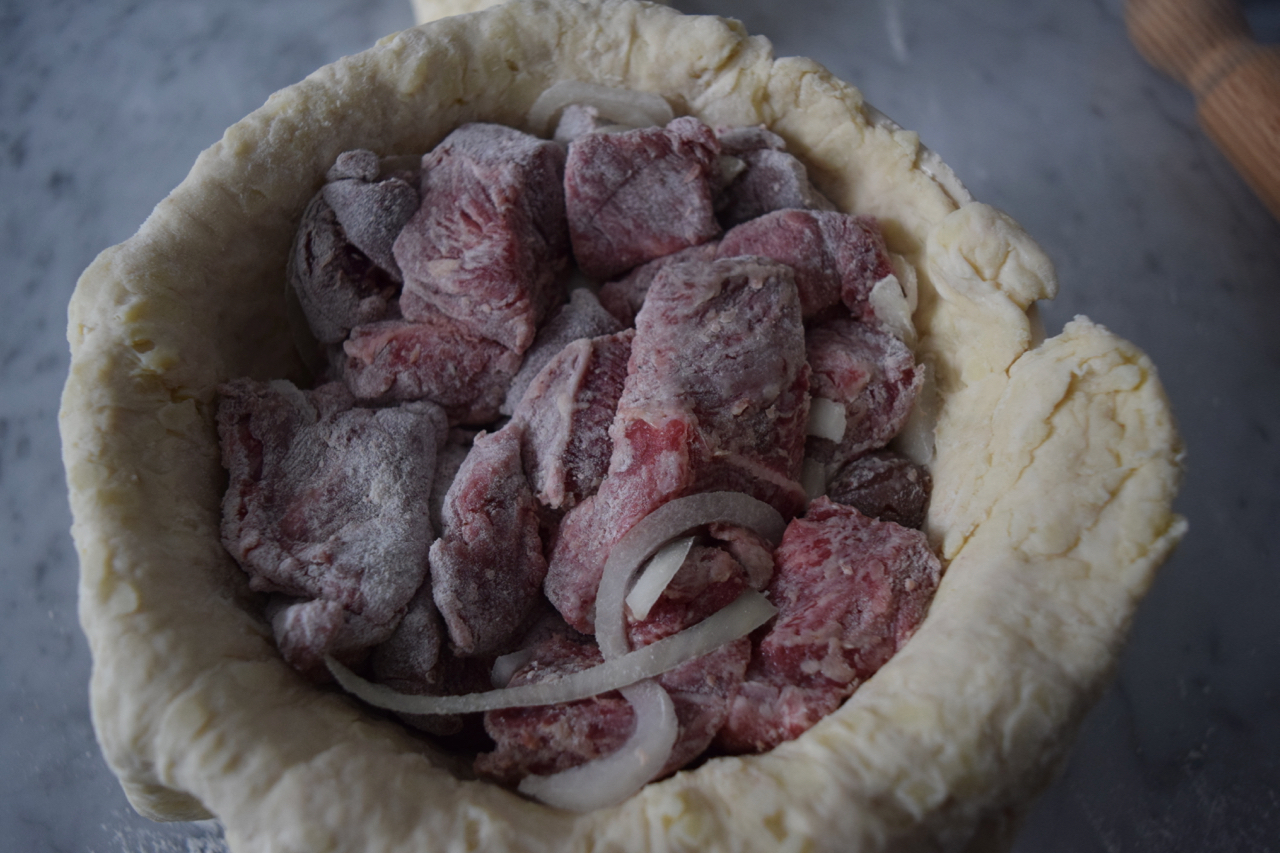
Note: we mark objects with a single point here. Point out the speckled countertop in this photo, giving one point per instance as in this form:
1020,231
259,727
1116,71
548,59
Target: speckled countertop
1041,106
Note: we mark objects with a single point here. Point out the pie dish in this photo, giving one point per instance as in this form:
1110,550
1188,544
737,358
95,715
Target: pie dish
1054,465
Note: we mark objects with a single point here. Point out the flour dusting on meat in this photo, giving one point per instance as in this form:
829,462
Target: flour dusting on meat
443,503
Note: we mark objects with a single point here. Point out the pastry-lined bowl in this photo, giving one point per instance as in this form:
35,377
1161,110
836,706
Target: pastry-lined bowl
1054,465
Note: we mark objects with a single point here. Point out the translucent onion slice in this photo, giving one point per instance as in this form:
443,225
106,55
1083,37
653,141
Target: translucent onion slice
622,106
665,523
826,419
506,666
748,612
609,780
657,574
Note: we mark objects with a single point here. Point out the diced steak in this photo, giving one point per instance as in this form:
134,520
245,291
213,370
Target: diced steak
635,196
850,592
708,580
487,568
885,485
581,317
715,399
772,180
414,660
548,739
448,463
437,359
489,242
836,257
624,297
872,374
306,631
749,548
326,501
371,212
567,412
337,285
407,660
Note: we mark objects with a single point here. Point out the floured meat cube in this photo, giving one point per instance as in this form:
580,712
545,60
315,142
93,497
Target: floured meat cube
770,178
581,317
624,297
850,592
635,196
487,567
337,285
708,580
414,661
715,399
868,372
886,485
306,631
752,551
437,359
567,412
489,242
551,738
371,212
836,257
327,503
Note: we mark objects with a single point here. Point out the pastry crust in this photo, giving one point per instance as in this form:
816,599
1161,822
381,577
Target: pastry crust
1054,469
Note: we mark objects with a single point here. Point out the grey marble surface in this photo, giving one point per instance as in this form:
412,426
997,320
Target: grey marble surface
1042,107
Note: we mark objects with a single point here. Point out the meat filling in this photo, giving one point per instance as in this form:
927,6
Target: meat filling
536,428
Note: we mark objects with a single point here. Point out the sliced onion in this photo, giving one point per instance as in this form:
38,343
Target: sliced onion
665,523
657,574
506,666
744,615
609,780
826,419
622,106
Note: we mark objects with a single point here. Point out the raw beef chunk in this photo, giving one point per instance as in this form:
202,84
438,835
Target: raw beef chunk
708,580
581,317
624,297
770,179
437,359
337,285
371,212
885,485
850,591
715,399
407,660
836,257
549,738
635,196
567,412
307,631
327,503
487,568
749,548
552,738
869,372
489,241
414,661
